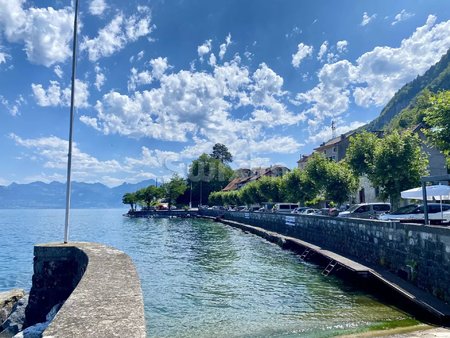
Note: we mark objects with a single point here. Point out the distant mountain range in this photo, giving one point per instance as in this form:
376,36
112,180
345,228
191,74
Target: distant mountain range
53,195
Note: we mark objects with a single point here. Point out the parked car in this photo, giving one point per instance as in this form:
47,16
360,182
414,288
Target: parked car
366,210
415,212
310,211
299,210
284,207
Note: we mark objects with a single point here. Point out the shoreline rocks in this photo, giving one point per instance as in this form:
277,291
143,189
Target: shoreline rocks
12,312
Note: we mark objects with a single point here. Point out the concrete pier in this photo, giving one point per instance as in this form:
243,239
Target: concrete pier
98,286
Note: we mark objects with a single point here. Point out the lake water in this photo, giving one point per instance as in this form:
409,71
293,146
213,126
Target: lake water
201,278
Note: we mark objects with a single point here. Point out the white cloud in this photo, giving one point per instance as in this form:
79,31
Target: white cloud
197,105
159,67
212,60
302,52
326,133
376,75
52,151
97,7
341,46
55,96
100,78
402,16
224,46
367,18
119,32
204,49
45,32
58,71
3,57
12,108
322,51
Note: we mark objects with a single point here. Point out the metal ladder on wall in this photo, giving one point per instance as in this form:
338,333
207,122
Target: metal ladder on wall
330,267
305,253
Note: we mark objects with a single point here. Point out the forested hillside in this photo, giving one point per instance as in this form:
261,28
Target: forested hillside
405,107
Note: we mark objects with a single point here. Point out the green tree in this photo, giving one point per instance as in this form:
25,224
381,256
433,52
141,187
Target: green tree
131,199
437,117
398,165
270,188
298,187
216,198
173,189
360,152
208,174
250,193
333,180
149,194
221,153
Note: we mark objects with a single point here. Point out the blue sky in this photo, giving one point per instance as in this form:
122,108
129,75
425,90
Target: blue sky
160,82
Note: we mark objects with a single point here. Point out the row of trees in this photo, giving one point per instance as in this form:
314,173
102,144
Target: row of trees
169,192
207,173
393,163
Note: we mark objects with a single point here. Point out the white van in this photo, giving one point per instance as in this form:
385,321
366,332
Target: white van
284,207
366,210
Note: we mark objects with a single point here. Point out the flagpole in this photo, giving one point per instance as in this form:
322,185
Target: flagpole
72,99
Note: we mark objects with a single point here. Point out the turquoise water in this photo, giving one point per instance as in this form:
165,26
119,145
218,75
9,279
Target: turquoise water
201,278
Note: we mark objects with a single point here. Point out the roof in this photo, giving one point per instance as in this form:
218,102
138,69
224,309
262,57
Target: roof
335,140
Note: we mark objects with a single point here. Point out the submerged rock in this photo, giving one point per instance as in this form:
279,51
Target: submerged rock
7,301
16,319
36,330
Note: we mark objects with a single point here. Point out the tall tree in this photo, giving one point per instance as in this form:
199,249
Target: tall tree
270,189
333,180
437,117
131,199
221,153
174,188
360,152
208,174
298,187
149,195
398,165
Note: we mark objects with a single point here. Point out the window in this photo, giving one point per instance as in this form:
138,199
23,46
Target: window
381,207
363,208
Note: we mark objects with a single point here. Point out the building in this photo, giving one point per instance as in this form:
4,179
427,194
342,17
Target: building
244,176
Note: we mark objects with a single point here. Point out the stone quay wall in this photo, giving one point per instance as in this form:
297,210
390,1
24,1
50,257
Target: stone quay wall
98,286
417,253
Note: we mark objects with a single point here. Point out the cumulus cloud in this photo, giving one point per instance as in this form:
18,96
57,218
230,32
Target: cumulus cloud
341,46
100,78
12,107
402,16
159,67
303,51
204,49
323,50
367,18
45,32
145,77
3,57
117,34
58,71
325,133
376,75
224,46
97,7
197,105
55,96
52,151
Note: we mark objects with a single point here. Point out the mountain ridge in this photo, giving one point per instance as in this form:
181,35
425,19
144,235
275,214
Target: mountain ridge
52,195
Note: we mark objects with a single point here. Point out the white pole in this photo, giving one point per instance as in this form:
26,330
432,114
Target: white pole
72,99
